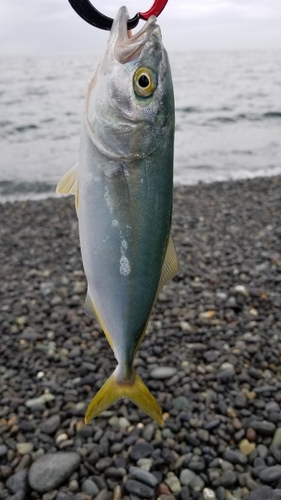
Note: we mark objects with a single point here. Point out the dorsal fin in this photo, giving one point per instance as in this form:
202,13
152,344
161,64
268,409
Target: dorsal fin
69,184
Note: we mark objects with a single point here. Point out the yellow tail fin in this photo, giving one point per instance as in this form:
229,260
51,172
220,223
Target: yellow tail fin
136,391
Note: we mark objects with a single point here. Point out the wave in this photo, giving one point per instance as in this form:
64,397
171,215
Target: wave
195,109
272,114
220,114
14,188
5,123
12,102
248,117
223,119
189,109
24,128
37,91
48,120
201,167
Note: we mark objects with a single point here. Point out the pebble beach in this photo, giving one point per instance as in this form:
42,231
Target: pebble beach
211,357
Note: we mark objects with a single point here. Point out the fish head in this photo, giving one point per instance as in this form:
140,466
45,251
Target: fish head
130,101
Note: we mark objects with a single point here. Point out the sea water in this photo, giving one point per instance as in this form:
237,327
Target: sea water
228,117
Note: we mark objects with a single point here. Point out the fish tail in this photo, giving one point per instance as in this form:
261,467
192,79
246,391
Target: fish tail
113,390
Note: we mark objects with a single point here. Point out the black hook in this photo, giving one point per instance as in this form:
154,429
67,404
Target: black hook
90,14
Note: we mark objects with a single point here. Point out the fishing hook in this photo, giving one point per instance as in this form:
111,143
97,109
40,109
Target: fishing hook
89,13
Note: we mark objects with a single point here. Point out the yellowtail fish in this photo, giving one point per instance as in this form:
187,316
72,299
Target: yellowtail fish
123,186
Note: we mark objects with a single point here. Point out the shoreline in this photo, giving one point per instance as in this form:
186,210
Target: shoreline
52,194
214,337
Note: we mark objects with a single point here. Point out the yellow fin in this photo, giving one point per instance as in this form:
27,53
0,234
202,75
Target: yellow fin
89,307
170,266
136,391
69,183
142,397
90,310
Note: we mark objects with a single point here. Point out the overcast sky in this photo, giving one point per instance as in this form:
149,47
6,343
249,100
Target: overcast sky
48,26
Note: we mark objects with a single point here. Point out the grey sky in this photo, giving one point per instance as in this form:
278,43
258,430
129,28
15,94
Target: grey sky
48,26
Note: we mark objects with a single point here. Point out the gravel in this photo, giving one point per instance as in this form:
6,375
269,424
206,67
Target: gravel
211,357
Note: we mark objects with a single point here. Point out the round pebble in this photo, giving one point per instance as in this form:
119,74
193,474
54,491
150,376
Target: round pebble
51,470
173,482
143,476
90,487
141,450
270,474
50,425
139,489
187,476
3,450
246,447
209,494
163,372
277,438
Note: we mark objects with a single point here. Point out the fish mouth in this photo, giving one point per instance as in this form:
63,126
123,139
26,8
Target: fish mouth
127,46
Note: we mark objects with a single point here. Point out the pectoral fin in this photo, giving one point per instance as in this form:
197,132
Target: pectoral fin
170,266
69,184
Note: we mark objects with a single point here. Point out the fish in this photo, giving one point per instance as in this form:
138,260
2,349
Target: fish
123,187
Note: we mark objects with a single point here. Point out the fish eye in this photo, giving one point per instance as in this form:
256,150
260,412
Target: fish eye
144,82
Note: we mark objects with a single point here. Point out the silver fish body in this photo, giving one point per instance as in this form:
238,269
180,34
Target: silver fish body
124,188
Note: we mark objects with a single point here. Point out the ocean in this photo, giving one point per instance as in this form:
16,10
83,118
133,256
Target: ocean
228,117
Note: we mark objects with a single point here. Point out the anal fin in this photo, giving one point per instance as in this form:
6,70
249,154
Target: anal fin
89,307
91,310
